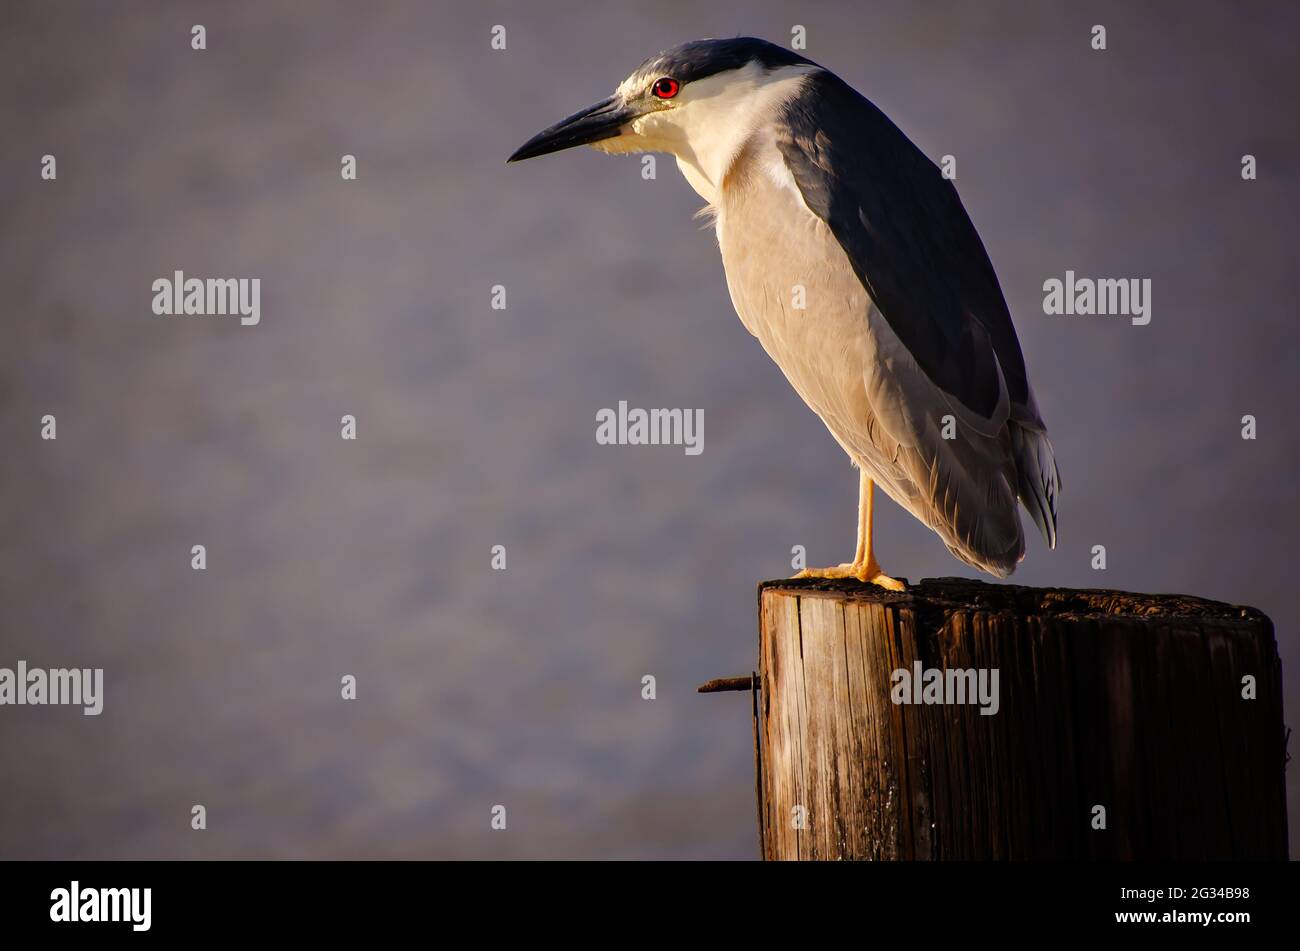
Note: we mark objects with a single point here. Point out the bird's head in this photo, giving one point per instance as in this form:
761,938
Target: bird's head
696,101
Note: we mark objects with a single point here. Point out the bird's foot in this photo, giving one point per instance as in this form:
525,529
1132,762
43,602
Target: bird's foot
862,571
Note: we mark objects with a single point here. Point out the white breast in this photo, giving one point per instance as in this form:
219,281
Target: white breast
795,290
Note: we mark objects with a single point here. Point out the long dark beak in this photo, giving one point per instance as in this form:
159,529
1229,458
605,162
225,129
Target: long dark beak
604,120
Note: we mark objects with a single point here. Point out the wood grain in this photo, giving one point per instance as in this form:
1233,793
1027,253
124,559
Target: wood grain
1127,701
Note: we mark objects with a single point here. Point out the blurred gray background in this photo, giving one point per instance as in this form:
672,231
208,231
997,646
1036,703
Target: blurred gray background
476,427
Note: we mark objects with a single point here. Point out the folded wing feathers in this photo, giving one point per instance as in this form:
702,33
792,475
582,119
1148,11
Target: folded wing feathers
1039,481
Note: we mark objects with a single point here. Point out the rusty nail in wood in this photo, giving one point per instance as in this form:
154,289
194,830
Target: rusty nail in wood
723,684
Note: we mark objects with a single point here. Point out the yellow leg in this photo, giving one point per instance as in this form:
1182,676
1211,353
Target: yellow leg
864,566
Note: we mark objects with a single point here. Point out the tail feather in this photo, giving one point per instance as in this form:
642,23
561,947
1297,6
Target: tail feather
1039,481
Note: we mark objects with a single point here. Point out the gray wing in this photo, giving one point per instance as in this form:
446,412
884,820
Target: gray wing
915,250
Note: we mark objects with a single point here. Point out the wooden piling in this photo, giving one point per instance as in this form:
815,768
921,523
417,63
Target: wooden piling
1123,725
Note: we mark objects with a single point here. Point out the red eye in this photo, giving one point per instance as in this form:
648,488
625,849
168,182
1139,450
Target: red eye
665,88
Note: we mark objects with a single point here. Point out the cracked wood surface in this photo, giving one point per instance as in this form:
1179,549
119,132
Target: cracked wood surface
1131,702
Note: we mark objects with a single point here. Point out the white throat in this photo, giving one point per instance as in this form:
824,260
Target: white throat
717,117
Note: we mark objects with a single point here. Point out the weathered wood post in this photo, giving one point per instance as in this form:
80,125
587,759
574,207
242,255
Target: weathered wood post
963,720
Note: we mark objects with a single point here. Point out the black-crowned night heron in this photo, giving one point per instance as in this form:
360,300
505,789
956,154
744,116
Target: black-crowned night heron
903,346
